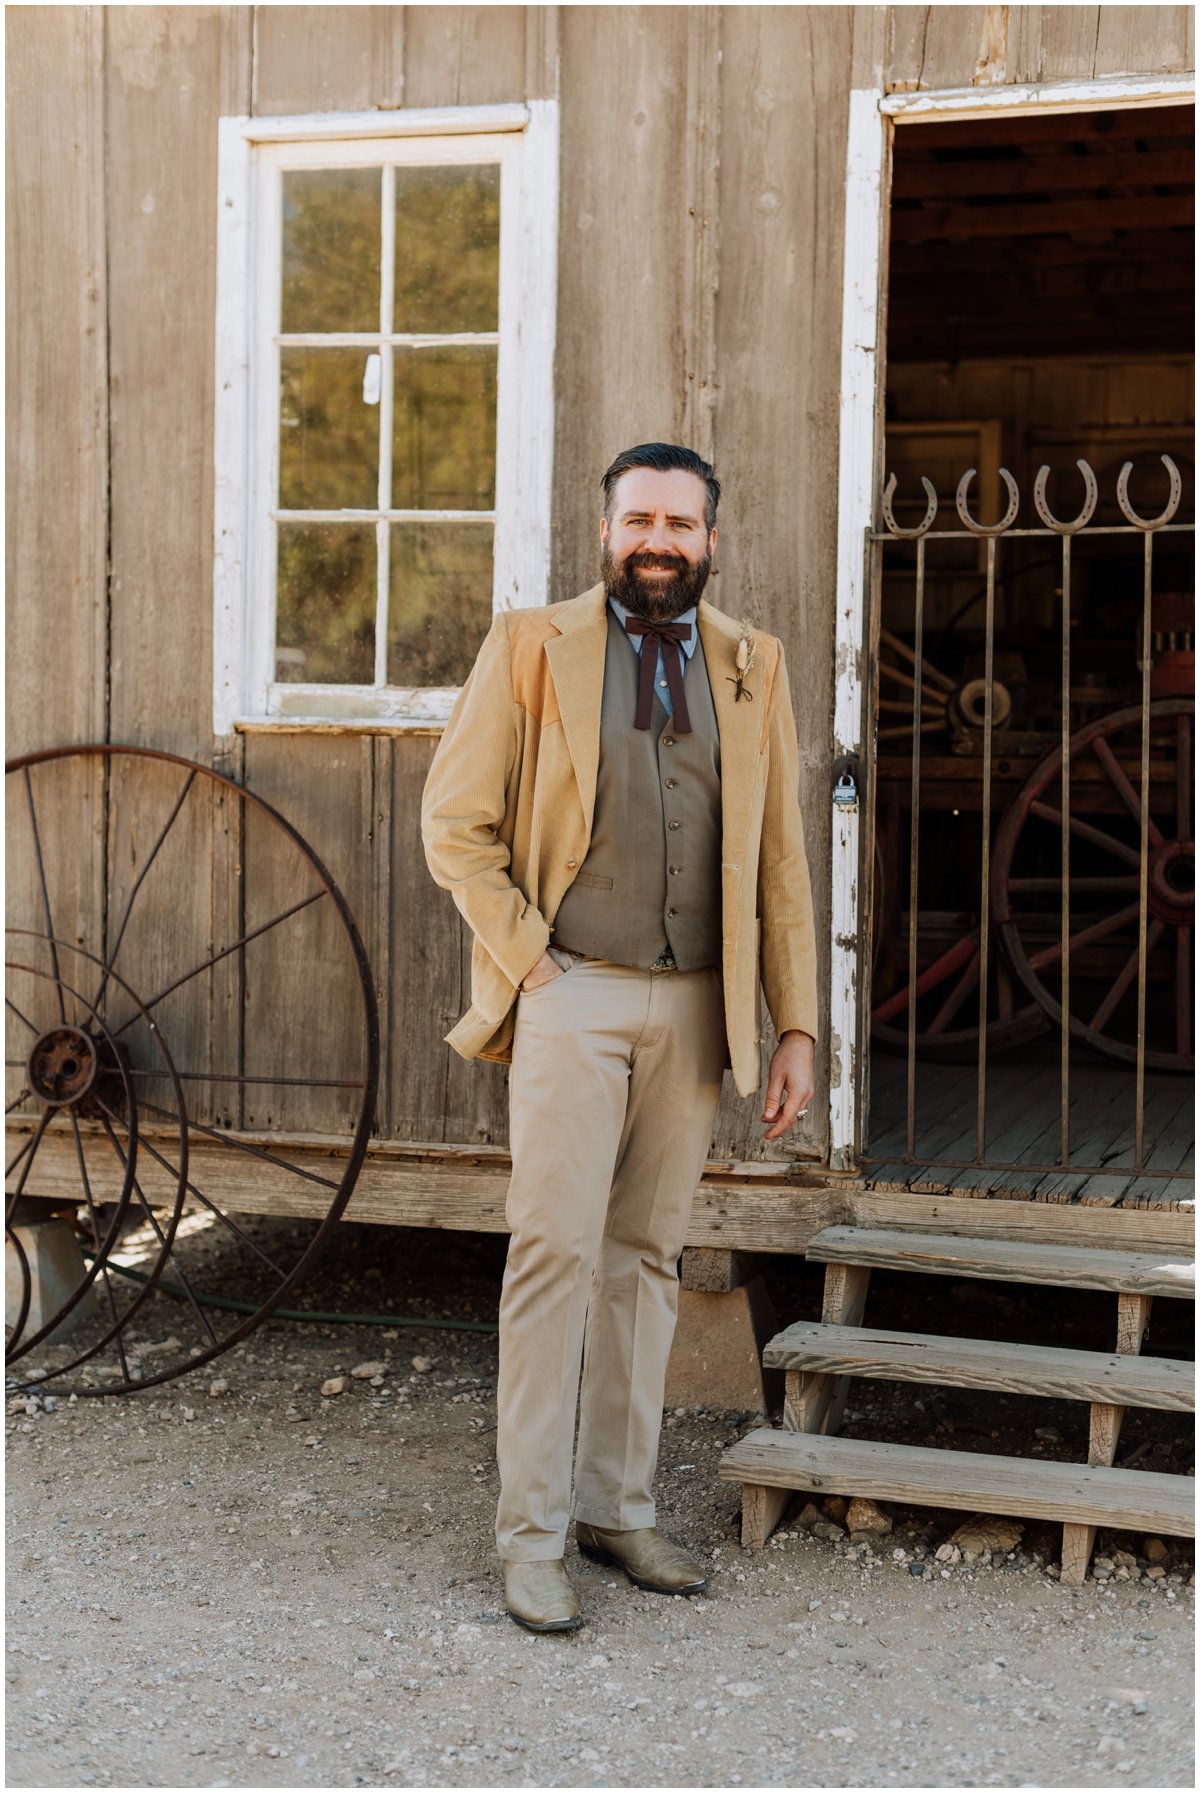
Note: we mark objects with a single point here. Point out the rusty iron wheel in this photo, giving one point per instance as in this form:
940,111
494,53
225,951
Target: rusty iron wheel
150,1101
1104,891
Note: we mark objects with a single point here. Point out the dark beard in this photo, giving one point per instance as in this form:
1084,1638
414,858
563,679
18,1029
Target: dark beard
667,598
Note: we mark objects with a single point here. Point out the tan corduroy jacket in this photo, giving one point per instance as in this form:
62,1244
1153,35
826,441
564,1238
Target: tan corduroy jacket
507,810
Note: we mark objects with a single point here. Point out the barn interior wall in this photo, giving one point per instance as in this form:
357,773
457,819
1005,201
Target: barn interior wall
700,236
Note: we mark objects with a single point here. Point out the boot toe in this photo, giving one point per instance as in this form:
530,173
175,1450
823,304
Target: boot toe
540,1596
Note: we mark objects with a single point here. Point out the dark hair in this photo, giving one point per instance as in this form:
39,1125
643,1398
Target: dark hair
663,457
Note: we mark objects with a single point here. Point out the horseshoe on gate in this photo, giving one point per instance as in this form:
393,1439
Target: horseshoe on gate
960,499
1091,494
1165,516
930,509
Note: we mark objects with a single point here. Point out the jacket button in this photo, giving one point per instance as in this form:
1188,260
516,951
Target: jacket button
571,862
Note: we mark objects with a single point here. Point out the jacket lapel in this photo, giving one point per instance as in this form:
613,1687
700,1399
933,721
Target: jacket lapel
738,722
576,660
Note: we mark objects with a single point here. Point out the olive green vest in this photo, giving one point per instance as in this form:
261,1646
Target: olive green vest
652,873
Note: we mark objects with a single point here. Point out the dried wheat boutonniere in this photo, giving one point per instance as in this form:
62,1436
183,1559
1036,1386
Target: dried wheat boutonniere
743,659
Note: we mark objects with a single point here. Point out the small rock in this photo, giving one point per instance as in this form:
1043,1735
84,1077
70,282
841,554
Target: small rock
1050,1433
363,1372
422,1365
1156,1572
335,1385
984,1533
835,1506
219,1386
742,1690
809,1516
1124,1560
864,1516
826,1529
1155,1550
189,1413
949,1553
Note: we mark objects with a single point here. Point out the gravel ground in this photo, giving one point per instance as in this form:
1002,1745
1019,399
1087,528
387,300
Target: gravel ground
268,1586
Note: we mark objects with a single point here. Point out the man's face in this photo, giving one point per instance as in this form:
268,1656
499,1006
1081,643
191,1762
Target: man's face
657,550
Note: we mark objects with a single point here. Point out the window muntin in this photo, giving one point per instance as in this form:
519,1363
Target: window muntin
386,349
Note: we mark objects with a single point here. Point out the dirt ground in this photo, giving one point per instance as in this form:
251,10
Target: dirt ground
265,1586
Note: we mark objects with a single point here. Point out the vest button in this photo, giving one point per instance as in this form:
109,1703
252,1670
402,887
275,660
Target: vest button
672,824
671,783
670,913
668,740
673,869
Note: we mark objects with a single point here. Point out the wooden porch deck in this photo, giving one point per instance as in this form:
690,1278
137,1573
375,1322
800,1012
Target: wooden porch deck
1023,1123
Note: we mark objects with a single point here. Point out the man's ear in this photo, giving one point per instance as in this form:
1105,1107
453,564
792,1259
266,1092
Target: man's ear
712,539
603,530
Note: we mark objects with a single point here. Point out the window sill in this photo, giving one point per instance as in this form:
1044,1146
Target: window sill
340,725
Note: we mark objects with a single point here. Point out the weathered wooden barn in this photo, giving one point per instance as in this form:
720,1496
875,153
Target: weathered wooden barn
324,323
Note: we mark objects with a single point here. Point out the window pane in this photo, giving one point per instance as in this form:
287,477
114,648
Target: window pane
447,249
328,438
331,227
440,607
325,613
444,429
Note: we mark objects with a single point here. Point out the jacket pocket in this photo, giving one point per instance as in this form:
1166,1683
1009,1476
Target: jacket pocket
593,881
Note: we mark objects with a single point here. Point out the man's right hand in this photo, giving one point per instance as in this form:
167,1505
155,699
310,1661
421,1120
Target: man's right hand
542,972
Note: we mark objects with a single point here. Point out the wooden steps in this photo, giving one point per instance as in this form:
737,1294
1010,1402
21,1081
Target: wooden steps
1127,1499
1004,1260
819,1359
1159,1382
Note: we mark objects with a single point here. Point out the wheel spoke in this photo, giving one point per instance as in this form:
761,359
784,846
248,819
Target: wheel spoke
1124,978
162,1239
957,997
16,1101
31,1145
243,1145
213,1209
9,1003
137,885
223,954
95,1219
37,847
1097,931
1086,831
1124,789
950,961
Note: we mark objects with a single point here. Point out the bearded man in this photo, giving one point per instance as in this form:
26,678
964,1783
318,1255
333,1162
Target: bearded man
613,807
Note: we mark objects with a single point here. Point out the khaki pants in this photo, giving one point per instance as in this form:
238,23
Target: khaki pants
616,1074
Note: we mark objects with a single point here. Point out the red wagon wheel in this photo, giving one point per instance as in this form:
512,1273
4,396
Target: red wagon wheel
947,995
1104,884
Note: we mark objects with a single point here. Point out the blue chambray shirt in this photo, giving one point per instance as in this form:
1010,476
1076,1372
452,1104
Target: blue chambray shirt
661,690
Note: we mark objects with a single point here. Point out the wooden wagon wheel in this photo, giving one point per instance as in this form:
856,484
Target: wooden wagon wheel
247,987
947,992
1026,870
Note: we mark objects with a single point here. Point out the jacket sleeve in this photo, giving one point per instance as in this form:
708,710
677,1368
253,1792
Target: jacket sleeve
464,804
788,952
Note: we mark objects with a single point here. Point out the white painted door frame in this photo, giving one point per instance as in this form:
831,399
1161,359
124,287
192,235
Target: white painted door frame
873,116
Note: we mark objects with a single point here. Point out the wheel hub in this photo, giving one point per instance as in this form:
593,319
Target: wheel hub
1171,882
62,1066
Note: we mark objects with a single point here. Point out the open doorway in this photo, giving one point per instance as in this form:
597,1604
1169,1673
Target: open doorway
1024,993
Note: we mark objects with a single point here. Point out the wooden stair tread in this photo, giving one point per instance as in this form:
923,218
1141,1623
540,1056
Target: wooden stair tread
1054,1370
1006,1260
1125,1499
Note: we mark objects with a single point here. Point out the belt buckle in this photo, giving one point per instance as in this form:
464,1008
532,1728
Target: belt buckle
665,961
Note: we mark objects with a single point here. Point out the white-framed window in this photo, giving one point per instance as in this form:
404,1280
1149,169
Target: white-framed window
384,406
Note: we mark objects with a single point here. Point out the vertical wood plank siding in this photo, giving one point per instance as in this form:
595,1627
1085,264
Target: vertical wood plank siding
56,513
700,252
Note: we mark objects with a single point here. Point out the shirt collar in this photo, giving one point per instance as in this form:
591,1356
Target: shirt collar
635,641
